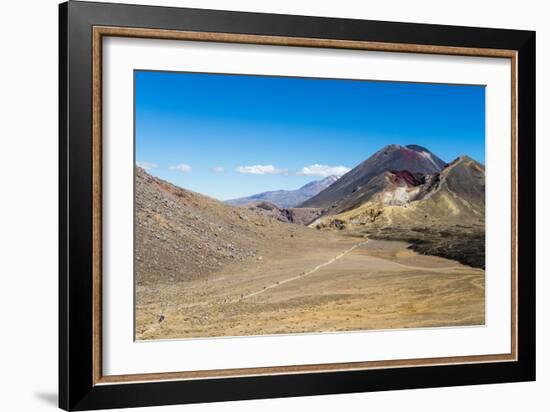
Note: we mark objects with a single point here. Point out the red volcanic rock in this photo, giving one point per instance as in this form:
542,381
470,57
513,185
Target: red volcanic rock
405,176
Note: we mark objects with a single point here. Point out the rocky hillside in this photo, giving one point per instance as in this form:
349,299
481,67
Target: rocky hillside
287,198
183,235
300,216
349,191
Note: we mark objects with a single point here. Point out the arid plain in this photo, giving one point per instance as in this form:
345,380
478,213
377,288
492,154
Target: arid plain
326,284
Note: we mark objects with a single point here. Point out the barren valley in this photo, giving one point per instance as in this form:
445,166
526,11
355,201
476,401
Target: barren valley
381,247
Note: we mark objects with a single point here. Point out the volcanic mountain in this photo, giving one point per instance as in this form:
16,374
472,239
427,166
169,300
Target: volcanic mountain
287,198
456,195
441,214
350,190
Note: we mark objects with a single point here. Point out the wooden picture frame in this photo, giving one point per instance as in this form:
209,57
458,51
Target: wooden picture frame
82,384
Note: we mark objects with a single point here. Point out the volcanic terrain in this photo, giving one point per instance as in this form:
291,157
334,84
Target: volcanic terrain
397,242
441,213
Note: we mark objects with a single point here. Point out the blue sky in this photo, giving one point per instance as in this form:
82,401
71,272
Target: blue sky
230,136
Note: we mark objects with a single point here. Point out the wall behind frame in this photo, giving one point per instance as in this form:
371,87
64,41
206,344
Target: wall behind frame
28,210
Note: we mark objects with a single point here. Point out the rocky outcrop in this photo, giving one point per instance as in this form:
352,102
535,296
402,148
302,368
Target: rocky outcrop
300,216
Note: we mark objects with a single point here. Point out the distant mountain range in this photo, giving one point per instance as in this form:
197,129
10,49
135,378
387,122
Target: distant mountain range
287,198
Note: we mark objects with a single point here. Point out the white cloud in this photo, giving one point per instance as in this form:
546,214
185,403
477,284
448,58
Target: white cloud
147,165
260,170
323,170
217,169
182,167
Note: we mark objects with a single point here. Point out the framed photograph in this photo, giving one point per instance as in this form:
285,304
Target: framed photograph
257,205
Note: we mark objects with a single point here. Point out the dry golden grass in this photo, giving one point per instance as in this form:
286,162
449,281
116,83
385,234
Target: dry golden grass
377,285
